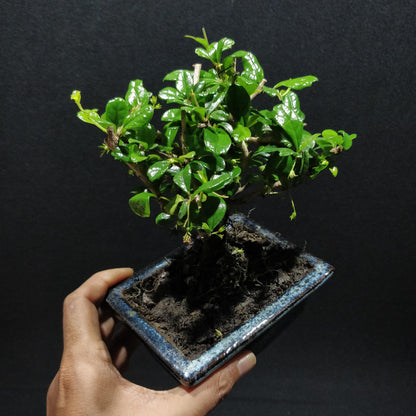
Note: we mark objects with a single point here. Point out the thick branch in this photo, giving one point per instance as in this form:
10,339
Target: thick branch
112,142
259,89
263,140
197,72
245,157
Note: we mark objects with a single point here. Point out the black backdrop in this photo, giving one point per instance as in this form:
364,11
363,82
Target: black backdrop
64,212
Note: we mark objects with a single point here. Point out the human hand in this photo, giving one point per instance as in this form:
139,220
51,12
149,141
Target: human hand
89,381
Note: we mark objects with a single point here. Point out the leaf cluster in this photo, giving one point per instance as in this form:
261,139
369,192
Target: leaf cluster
215,149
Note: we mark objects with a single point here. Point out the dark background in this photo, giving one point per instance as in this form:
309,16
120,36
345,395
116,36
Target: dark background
64,212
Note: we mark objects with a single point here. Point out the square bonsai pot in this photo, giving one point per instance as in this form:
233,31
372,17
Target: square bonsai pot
190,372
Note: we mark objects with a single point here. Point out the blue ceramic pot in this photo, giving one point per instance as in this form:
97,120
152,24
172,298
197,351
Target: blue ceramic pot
192,371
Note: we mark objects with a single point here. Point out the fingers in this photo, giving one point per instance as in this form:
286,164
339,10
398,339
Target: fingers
96,287
121,345
81,324
203,398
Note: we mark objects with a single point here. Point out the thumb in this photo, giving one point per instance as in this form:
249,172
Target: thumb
203,398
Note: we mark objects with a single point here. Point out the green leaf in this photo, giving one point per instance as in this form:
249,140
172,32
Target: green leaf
238,101
334,171
116,111
332,137
139,117
183,209
290,118
265,150
184,82
285,151
171,95
217,99
289,109
297,83
241,133
202,41
217,140
347,139
203,53
270,91
217,48
92,117
136,94
252,68
250,85
215,184
174,114
219,213
308,140
76,96
157,170
294,128
219,115
183,179
164,219
170,133
140,203
172,205
146,134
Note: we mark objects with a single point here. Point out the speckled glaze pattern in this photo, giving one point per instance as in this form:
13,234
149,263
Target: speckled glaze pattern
191,372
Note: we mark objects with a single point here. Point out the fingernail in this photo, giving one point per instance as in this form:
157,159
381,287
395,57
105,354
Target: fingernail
246,363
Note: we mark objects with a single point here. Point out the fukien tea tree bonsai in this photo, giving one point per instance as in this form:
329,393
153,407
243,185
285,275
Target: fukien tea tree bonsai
211,151
214,148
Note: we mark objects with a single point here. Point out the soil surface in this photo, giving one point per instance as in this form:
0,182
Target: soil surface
217,286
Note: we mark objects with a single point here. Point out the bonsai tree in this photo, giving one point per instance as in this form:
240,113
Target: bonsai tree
213,149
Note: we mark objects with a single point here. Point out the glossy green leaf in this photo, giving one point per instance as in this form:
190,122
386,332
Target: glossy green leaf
241,133
157,170
298,83
183,209
185,82
171,95
284,151
170,132
332,137
217,99
347,139
270,91
334,171
140,203
139,117
183,179
294,128
164,219
289,109
217,48
252,68
238,101
219,212
250,85
265,150
203,53
219,115
215,184
217,141
116,111
172,205
92,117
202,41
308,140
136,94
174,114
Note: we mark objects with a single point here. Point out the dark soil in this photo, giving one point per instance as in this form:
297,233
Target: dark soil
217,286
